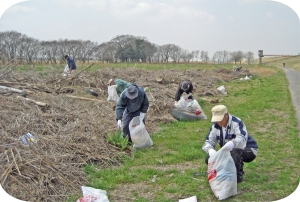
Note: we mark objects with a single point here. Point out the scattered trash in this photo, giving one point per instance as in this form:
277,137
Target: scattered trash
93,195
190,199
222,90
154,178
246,78
27,139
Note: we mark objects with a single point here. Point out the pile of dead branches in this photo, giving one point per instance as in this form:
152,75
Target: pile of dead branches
70,124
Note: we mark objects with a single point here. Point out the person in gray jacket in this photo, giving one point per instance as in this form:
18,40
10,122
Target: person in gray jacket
231,134
133,102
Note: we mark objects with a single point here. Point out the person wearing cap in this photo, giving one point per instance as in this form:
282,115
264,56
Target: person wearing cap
121,84
71,63
231,134
133,102
185,86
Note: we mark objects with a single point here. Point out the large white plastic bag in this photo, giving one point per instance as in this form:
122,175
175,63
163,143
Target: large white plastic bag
194,107
112,93
138,133
222,90
183,102
93,195
66,70
222,174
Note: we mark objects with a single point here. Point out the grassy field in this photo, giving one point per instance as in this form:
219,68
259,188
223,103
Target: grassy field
174,167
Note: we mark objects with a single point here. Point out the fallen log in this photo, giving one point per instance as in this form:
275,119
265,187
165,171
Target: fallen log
11,89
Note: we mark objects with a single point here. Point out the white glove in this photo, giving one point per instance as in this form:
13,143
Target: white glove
211,152
119,124
228,146
142,115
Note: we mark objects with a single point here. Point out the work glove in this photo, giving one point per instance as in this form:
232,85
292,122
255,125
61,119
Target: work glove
211,152
119,124
228,146
142,115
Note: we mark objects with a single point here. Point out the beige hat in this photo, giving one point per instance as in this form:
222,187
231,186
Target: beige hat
109,81
218,113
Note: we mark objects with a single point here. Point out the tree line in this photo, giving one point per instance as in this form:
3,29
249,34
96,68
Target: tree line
123,48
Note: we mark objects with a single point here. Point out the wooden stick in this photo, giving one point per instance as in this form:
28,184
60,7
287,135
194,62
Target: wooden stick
84,98
81,71
15,161
11,89
33,101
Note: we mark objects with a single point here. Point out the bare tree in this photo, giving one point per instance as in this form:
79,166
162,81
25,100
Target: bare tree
249,56
237,56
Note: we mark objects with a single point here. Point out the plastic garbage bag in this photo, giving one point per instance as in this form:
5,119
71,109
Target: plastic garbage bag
66,71
183,102
222,174
222,90
138,133
112,93
27,139
93,195
195,108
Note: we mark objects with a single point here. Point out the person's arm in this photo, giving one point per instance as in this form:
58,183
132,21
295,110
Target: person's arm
190,90
211,140
241,134
121,107
178,93
145,104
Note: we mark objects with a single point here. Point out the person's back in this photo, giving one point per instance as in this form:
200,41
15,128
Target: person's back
121,85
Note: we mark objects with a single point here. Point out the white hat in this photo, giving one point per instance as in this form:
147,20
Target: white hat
218,113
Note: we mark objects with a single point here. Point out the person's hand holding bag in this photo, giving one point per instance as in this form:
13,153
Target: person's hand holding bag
211,152
142,115
228,146
119,124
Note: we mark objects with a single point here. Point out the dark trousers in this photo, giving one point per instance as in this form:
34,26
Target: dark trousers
240,156
127,117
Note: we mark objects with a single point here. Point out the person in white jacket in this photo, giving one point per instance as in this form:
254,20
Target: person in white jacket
231,134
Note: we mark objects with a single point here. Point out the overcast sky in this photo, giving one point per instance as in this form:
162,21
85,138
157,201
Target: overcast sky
208,25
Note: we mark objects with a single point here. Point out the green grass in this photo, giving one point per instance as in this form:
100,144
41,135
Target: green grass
263,103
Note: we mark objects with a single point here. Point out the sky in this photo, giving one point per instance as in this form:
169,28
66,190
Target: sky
205,25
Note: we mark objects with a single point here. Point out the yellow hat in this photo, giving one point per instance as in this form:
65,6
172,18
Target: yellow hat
218,113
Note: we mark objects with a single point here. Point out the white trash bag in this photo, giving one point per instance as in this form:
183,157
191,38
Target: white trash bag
93,195
138,133
183,102
222,174
222,90
112,93
194,107
66,71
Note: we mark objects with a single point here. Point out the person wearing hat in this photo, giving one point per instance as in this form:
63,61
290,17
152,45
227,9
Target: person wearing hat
185,86
71,63
121,84
133,102
231,134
